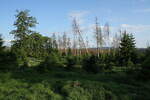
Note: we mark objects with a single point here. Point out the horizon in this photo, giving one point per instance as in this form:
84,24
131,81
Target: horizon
55,16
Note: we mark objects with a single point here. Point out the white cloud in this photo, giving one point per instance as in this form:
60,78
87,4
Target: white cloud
143,0
140,0
146,10
79,15
141,33
135,28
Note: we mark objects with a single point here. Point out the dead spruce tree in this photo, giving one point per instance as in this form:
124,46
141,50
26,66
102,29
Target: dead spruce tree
98,36
79,44
107,35
64,43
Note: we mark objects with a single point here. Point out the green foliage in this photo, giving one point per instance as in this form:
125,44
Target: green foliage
56,83
130,63
146,63
7,58
127,49
147,53
72,61
64,85
51,62
39,46
25,91
8,61
1,44
93,64
109,66
23,24
1,48
73,91
145,72
28,43
78,91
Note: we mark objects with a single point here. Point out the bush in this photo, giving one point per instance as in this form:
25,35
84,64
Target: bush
145,72
76,90
109,66
146,64
41,92
51,62
8,61
130,64
72,61
92,64
24,67
15,90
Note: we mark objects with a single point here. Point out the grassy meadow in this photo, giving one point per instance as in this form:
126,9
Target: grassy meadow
76,84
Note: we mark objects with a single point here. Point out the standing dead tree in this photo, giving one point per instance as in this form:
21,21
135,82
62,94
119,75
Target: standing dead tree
54,41
98,36
60,43
64,43
79,44
68,43
107,35
87,42
116,43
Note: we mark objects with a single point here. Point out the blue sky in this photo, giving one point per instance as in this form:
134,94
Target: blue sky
54,15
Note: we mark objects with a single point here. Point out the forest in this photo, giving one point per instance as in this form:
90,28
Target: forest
37,67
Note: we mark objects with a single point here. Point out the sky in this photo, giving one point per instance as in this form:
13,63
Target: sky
55,16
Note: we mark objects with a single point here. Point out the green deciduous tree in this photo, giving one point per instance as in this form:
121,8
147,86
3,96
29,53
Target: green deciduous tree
39,46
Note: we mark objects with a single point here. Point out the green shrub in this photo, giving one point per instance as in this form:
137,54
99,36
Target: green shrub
40,92
71,61
146,64
93,64
130,64
51,62
75,92
109,66
8,61
145,72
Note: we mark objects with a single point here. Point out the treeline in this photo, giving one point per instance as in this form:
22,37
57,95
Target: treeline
29,48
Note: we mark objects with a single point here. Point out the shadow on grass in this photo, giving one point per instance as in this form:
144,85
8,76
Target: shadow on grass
31,75
119,83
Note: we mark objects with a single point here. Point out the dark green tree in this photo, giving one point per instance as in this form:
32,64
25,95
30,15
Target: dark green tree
39,46
7,58
23,24
1,48
1,44
93,64
127,49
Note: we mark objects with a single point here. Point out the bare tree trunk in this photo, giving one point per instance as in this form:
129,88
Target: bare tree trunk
77,33
98,36
64,43
107,34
